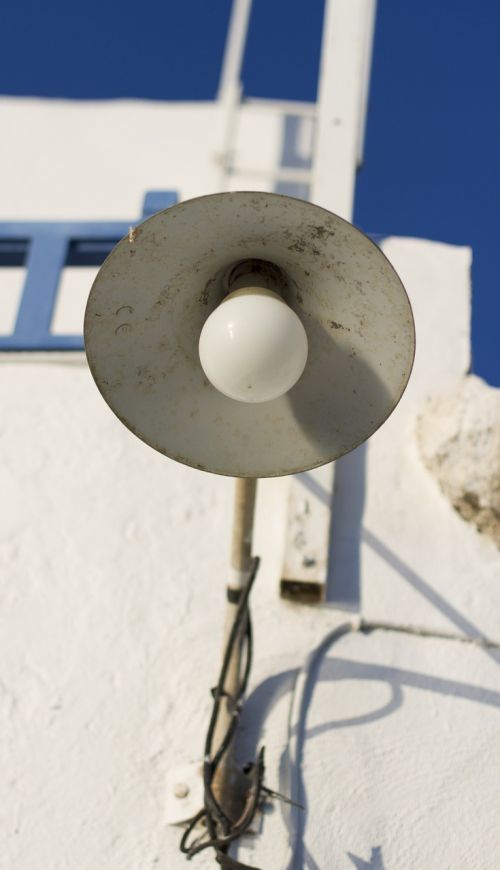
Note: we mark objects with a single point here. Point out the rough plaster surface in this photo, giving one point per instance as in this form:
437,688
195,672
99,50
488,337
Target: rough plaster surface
400,763
113,559
459,439
420,564
98,645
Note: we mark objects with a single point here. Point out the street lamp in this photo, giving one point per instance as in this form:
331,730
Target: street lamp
253,335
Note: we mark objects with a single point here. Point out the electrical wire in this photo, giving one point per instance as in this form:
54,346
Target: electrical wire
220,831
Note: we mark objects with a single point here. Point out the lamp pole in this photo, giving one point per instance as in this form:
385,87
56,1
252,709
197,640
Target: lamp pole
166,403
228,784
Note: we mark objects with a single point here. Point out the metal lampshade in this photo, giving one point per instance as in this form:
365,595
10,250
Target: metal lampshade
154,292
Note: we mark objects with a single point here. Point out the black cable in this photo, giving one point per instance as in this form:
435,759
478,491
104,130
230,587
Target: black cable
221,831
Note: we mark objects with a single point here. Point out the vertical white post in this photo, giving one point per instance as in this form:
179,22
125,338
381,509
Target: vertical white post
342,102
230,89
369,35
235,48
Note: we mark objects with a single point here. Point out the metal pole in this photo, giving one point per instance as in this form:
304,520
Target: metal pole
235,48
230,87
229,783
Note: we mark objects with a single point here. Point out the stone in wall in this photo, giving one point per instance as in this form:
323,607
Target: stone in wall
459,441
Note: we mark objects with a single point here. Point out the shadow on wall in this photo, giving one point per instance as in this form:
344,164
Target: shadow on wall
465,626
343,583
322,668
346,536
331,669
375,862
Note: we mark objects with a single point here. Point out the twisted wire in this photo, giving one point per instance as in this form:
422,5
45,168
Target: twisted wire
221,831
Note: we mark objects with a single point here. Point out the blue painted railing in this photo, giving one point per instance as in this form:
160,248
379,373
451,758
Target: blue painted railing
44,249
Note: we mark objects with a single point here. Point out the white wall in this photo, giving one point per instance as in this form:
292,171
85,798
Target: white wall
113,558
95,160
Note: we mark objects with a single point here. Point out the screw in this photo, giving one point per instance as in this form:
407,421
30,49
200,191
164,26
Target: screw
181,790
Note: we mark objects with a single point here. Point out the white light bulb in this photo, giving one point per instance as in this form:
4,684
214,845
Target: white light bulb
253,347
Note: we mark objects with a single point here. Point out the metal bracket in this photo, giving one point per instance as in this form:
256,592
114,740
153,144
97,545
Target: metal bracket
184,793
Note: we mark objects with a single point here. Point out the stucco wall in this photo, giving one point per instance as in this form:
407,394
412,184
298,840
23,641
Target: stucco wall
113,561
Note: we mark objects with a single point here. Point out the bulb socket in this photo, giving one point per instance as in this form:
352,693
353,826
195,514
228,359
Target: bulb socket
255,273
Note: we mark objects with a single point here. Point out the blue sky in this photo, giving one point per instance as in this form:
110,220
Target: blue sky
432,155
